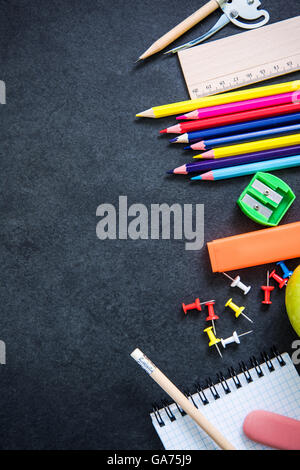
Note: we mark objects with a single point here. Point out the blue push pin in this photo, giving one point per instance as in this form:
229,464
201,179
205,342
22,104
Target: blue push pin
286,272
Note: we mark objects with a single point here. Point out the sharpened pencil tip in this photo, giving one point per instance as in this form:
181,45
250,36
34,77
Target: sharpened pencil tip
196,178
181,118
164,131
209,154
173,141
187,148
171,172
181,170
146,114
209,176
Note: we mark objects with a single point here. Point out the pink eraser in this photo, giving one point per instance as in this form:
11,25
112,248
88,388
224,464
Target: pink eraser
273,430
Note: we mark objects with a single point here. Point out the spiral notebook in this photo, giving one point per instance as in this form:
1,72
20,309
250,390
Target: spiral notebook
273,385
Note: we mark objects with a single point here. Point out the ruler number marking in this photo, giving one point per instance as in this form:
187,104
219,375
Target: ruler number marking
247,77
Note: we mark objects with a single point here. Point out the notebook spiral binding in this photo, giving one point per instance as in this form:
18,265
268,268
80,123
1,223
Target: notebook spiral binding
221,380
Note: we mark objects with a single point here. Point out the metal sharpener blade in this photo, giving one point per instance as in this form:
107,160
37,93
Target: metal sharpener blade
256,205
266,191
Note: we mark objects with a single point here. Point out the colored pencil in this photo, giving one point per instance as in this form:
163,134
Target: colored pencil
257,146
242,106
205,165
248,169
222,98
215,132
222,141
190,126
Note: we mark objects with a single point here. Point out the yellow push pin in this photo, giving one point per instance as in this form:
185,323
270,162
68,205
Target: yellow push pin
238,310
213,340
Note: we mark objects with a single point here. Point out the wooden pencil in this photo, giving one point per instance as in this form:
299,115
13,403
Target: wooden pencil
181,400
181,28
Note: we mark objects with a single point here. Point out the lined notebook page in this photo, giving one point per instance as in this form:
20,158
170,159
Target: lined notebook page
277,391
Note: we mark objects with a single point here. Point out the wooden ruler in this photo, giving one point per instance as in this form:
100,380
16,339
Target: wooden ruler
243,59
247,77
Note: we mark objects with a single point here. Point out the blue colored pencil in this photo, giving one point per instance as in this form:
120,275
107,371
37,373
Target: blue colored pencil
248,169
276,121
257,135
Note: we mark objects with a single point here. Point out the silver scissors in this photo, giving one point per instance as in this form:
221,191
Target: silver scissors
233,10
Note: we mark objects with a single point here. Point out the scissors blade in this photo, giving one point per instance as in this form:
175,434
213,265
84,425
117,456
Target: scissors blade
223,21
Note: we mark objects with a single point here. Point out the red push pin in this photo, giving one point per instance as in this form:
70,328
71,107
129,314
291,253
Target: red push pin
211,313
282,282
195,306
267,290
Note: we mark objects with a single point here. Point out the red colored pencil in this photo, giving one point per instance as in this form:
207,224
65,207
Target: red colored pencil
191,126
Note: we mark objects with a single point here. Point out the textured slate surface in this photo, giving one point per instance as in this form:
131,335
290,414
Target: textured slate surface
73,307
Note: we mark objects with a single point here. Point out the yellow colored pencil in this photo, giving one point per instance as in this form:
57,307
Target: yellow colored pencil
250,147
223,98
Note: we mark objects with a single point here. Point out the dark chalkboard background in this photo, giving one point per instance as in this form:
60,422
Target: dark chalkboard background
74,307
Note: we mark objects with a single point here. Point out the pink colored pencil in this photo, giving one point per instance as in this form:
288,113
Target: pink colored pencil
241,106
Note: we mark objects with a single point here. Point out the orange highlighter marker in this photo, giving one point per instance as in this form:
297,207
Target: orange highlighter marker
255,248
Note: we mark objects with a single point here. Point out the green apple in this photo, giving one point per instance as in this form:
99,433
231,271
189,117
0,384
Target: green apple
292,300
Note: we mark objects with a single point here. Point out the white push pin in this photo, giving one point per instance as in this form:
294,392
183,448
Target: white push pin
237,283
235,338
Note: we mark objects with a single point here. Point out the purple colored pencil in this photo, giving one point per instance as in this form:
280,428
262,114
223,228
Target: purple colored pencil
237,160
